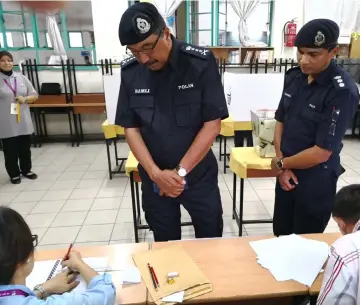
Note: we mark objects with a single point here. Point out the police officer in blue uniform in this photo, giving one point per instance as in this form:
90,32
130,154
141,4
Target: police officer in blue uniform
318,103
171,103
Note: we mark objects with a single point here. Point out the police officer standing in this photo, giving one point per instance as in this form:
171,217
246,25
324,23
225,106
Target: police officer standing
318,102
171,103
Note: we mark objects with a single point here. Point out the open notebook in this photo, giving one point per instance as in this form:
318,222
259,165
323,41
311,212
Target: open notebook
46,270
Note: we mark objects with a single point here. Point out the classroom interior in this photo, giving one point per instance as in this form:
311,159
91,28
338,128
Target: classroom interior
83,194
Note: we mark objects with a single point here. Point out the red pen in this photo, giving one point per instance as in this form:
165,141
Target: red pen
155,276
66,257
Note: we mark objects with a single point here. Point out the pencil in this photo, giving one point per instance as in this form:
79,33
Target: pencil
66,257
152,276
155,276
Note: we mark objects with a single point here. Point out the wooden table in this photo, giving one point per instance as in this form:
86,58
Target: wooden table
231,266
120,256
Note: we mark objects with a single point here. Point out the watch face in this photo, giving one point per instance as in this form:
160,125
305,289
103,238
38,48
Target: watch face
279,164
182,172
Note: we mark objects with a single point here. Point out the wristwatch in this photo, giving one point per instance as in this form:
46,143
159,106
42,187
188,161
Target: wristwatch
280,165
42,292
181,171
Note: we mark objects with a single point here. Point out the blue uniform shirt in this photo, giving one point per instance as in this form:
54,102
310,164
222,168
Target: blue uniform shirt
101,291
318,113
170,106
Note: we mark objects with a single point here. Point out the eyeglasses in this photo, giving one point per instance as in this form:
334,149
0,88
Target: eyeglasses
146,51
35,240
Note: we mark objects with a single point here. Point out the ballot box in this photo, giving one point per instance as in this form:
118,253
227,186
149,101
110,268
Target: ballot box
263,129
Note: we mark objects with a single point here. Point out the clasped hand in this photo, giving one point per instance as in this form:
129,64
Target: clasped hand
285,180
20,99
169,183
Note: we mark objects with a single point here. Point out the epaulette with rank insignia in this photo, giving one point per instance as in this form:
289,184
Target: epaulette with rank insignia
196,51
292,70
338,82
127,62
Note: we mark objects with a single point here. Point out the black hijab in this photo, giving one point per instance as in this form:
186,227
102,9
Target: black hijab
6,53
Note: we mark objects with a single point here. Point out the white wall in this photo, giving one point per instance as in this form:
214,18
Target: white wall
344,12
106,18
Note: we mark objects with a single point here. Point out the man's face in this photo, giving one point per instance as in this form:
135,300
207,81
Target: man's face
314,61
154,51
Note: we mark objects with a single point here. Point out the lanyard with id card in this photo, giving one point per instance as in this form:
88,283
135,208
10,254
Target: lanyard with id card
14,107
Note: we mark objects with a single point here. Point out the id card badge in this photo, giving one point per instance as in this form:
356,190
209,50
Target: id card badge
14,108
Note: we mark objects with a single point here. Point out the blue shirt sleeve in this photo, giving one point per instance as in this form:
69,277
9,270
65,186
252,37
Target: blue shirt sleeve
125,116
280,112
338,114
101,291
214,105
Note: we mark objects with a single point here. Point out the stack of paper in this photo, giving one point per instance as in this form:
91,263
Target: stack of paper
292,257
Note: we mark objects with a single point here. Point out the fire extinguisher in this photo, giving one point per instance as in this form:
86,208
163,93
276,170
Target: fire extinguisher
289,33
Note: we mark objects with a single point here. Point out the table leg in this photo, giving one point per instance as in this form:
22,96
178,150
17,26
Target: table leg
134,208
225,155
116,151
44,123
139,218
109,160
81,127
220,147
241,207
71,128
234,196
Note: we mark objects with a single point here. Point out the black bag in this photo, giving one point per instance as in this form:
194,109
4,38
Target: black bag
50,89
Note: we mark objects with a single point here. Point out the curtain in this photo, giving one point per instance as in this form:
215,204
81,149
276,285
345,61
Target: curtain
56,40
244,9
167,9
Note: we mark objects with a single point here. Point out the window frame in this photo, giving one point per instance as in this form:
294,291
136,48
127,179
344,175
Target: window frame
36,34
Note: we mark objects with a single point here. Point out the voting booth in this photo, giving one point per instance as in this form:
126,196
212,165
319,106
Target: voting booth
111,85
254,98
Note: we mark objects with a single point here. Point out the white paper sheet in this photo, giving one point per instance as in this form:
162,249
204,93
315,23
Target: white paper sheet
292,257
130,275
174,298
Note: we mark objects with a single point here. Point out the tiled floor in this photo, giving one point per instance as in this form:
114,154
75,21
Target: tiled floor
73,199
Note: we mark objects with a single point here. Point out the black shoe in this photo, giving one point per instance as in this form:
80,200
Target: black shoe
30,176
16,180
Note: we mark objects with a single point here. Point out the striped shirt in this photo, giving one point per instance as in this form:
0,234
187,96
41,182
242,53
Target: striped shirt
341,280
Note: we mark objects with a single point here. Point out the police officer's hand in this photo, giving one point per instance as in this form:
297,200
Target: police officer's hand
169,183
285,179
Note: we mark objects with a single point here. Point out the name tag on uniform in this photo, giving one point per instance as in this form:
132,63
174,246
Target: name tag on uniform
182,87
141,91
13,108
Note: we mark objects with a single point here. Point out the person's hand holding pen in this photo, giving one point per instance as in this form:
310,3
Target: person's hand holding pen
75,263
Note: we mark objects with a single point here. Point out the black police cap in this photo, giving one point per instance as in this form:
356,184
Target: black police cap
318,33
138,22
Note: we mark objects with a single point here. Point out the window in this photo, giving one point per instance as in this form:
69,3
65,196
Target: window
48,41
9,39
75,40
29,39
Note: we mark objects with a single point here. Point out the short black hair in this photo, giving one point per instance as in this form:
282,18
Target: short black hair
347,204
6,53
16,243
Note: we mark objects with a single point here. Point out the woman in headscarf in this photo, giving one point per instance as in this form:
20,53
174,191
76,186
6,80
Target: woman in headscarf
16,126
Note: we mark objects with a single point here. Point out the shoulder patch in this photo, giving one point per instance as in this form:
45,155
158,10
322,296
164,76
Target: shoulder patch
196,51
127,62
338,82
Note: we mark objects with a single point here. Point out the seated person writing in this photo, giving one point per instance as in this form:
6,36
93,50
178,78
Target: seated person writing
341,280
17,247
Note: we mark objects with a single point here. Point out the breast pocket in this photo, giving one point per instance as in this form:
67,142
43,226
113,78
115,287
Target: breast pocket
312,114
143,106
188,108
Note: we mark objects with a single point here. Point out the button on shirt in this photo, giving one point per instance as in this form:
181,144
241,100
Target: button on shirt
170,106
341,279
101,291
9,126
318,113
